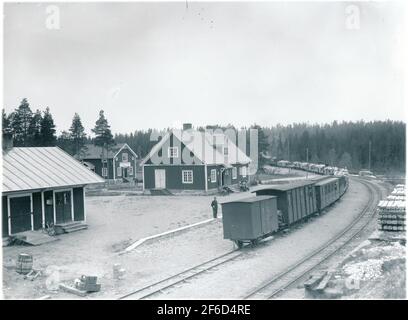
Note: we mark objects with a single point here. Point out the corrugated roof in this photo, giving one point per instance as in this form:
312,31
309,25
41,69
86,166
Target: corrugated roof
43,167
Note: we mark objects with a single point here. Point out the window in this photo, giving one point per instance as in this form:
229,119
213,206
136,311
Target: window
173,152
187,176
225,151
130,171
104,172
125,157
234,172
244,171
119,171
213,175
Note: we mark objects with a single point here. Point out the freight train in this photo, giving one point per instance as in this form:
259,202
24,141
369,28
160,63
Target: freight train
311,167
276,207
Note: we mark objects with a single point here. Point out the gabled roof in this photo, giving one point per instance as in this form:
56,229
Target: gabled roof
43,167
95,152
202,146
125,145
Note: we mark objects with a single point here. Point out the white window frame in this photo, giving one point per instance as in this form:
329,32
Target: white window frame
127,157
184,175
119,171
172,152
213,174
234,173
130,171
104,172
244,171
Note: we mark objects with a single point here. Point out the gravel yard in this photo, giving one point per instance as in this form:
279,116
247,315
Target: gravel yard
115,222
262,263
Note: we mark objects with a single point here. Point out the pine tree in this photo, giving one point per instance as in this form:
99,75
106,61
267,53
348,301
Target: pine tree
78,136
20,123
263,145
34,131
48,137
6,123
103,134
345,161
331,157
64,141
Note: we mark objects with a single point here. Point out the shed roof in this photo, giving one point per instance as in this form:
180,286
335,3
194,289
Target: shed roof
43,167
283,187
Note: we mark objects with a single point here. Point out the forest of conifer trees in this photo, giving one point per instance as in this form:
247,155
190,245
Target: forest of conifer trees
343,144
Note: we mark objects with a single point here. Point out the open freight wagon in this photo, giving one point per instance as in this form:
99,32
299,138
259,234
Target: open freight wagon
250,219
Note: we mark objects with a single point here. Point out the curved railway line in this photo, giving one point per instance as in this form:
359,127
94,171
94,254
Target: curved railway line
282,281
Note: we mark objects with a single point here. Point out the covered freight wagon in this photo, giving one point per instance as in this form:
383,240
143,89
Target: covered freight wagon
327,192
295,200
249,219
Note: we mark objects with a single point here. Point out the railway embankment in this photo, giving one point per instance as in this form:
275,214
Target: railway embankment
374,270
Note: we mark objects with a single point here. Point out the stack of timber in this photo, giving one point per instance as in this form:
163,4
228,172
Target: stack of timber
392,212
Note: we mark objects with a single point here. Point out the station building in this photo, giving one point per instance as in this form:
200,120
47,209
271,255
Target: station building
189,159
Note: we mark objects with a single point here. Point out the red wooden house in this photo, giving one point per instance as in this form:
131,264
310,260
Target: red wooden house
193,160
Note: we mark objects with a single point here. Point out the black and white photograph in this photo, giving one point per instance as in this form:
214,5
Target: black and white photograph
204,150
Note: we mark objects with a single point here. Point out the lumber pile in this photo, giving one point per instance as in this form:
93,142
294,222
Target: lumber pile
392,212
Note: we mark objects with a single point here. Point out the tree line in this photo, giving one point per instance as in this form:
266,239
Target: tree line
37,129
378,145
375,145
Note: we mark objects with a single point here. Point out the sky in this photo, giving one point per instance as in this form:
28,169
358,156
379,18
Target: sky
158,65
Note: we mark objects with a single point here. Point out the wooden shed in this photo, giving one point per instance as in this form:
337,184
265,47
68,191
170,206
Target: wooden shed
42,185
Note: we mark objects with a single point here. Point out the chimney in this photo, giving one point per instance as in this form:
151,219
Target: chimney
7,140
187,126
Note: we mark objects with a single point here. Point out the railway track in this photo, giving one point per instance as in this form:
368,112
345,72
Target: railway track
179,278
282,281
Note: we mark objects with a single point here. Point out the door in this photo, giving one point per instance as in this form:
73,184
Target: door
20,214
160,178
63,208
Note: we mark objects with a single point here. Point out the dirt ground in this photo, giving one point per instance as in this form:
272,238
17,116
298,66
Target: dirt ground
114,223
261,263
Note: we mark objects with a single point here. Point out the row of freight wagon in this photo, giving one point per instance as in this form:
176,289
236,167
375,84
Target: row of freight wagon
278,206
312,167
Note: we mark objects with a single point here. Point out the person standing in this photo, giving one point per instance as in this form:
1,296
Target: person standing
214,205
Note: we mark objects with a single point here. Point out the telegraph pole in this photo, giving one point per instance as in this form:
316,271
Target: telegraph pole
307,160
369,155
